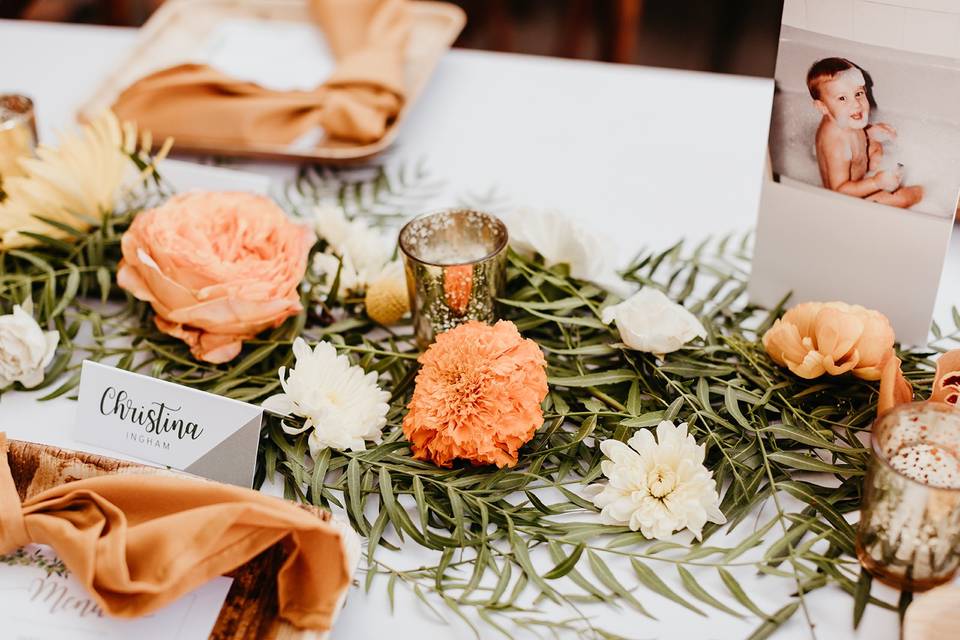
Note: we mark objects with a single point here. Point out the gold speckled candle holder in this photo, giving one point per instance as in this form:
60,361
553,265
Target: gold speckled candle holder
18,134
909,532
455,262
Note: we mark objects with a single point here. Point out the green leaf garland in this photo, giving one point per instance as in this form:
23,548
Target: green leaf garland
765,430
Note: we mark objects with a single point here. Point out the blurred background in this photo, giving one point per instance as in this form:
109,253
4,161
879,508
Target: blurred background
726,36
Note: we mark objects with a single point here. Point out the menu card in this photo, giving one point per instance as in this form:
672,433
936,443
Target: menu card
39,599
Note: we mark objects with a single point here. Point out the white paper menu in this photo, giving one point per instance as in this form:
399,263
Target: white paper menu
39,600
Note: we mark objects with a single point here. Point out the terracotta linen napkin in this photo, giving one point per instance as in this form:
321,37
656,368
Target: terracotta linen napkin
139,542
357,103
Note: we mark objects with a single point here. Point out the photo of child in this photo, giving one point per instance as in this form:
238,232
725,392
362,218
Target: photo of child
849,147
861,188
866,121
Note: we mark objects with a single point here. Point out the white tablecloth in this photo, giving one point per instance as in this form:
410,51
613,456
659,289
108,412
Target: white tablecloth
645,155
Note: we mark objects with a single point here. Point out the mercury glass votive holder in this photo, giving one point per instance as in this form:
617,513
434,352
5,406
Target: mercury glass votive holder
909,532
455,262
18,133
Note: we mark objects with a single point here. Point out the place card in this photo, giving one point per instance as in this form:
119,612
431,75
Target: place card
42,600
169,424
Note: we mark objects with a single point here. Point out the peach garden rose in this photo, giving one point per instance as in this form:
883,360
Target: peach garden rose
217,268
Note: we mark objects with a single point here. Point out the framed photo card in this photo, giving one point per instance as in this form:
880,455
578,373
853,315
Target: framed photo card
861,190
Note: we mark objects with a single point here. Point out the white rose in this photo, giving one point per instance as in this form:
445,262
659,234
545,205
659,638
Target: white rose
25,349
562,240
650,321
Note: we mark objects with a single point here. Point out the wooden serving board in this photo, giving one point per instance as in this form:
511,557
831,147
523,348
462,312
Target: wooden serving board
179,28
250,610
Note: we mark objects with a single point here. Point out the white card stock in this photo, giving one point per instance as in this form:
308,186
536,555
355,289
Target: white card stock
41,600
169,424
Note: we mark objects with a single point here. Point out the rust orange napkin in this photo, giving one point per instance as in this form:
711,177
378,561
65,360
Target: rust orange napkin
137,543
356,104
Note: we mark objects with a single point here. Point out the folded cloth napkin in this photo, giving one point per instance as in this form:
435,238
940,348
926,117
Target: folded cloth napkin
362,96
137,543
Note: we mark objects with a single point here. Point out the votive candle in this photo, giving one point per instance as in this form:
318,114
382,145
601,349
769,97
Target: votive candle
18,133
455,262
909,532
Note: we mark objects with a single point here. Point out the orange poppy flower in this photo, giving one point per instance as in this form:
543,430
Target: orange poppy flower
815,338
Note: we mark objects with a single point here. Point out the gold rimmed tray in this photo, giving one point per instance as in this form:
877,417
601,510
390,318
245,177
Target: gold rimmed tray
180,28
250,610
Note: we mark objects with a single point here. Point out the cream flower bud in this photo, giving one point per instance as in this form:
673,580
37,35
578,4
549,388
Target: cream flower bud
25,349
559,239
649,321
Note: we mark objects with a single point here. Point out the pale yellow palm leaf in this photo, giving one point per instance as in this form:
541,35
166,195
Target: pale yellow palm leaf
75,182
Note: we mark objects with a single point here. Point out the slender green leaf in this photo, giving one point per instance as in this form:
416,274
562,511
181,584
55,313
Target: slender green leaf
768,627
738,593
566,565
694,589
653,582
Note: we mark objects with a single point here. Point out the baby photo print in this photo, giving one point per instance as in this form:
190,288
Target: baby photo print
864,163
848,146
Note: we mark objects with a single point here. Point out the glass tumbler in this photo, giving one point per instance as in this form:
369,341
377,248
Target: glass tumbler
455,262
909,532
18,134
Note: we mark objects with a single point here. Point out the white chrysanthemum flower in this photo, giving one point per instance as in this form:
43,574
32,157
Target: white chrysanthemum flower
343,406
363,252
75,182
25,348
560,239
658,487
650,321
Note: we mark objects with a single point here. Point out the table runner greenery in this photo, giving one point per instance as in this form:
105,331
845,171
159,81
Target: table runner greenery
765,430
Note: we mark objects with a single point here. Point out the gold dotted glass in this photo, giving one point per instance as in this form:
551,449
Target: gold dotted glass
455,262
18,134
909,532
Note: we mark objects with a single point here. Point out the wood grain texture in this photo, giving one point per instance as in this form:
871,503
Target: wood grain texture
250,610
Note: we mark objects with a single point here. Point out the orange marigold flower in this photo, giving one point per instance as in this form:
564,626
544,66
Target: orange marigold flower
478,396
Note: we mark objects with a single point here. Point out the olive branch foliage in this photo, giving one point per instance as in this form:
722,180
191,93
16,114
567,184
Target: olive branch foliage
490,529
